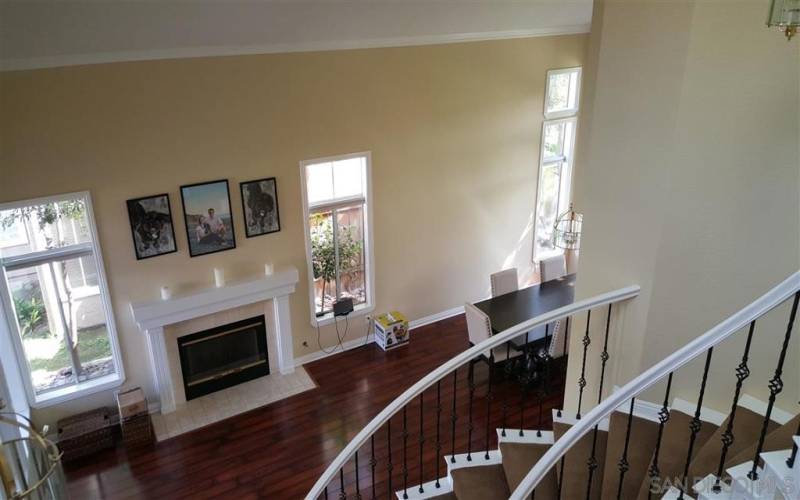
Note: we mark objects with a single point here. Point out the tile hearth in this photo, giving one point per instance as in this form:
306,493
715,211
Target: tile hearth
232,401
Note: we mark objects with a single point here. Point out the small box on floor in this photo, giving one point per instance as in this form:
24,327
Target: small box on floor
131,403
391,330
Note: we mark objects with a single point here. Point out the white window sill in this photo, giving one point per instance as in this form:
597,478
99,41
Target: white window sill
359,310
77,391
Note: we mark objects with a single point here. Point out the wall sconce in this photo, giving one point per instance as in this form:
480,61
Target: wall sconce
784,15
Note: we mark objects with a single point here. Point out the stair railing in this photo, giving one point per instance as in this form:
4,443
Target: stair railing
664,370
335,473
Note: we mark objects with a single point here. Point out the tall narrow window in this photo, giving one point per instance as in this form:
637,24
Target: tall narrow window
338,232
52,281
562,97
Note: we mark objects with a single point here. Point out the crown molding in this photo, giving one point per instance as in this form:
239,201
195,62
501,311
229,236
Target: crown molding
219,51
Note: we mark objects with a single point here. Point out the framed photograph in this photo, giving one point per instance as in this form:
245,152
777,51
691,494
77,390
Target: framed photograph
260,207
207,213
151,226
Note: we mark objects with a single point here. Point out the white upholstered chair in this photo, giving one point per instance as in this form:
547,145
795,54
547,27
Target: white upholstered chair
479,328
552,269
504,282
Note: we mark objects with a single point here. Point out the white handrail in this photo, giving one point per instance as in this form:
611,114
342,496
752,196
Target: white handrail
679,358
445,369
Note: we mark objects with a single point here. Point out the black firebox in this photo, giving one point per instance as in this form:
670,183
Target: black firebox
224,356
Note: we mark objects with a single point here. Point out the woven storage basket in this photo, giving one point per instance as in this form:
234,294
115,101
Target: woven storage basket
137,431
85,433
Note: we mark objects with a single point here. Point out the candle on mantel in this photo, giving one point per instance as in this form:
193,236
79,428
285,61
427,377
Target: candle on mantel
268,269
219,277
166,294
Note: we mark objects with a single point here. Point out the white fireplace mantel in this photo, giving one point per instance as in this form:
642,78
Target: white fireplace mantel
151,318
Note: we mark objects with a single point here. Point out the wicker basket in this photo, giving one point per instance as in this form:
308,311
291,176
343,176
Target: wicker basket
85,433
137,431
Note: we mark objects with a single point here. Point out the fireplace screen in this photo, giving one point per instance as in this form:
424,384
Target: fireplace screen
223,357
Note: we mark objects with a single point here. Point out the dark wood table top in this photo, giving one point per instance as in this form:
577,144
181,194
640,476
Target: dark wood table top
513,308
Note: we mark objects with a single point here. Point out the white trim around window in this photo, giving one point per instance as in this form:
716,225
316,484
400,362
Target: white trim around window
80,389
575,93
369,256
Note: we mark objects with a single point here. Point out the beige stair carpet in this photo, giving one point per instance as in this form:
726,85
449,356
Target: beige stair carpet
778,439
576,470
640,450
482,482
519,459
674,446
746,429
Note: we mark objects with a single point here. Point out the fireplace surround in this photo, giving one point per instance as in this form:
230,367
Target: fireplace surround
162,321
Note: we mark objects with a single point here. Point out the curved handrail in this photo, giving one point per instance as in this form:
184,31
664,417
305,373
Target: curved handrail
454,363
657,372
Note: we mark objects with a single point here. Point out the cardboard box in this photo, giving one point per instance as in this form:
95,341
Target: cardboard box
391,330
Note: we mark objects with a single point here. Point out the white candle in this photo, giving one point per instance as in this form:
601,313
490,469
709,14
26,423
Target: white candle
219,277
268,269
165,293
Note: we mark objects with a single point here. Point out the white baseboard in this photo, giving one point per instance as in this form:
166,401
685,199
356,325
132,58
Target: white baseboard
433,318
706,414
780,417
358,342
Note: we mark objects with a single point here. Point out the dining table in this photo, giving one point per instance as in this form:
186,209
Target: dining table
510,309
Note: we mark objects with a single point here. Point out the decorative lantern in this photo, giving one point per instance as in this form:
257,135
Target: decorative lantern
785,15
567,233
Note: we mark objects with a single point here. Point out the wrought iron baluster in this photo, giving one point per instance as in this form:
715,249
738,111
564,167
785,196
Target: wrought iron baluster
623,465
582,380
604,357
663,418
405,452
507,370
438,428
372,462
564,356
342,494
421,441
561,479
695,425
470,426
742,372
453,419
326,492
358,487
489,397
542,381
775,388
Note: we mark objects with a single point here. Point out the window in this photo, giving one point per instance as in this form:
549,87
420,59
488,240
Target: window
338,232
52,282
555,163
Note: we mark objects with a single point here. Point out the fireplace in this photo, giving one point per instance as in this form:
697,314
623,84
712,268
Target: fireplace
224,356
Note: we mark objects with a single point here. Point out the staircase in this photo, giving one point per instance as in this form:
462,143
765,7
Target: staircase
625,447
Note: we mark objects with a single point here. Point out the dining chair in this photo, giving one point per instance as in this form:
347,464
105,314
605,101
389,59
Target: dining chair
551,269
479,328
504,281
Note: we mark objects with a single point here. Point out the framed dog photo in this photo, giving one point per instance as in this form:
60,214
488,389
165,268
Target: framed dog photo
151,226
260,207
207,213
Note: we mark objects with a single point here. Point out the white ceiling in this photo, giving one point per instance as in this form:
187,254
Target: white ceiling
44,33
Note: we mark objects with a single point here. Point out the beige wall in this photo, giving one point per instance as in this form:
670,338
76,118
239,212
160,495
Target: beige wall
453,129
689,180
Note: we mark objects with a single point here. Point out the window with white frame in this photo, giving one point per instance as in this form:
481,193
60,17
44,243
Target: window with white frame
54,287
562,97
338,232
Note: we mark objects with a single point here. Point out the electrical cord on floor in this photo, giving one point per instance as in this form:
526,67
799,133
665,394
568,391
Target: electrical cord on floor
369,328
340,338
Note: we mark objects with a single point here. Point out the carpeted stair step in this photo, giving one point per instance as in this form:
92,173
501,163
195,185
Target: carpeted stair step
778,439
576,470
482,482
644,433
520,454
674,444
746,429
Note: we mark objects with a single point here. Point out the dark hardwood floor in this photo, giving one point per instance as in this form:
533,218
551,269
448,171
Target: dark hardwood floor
278,451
